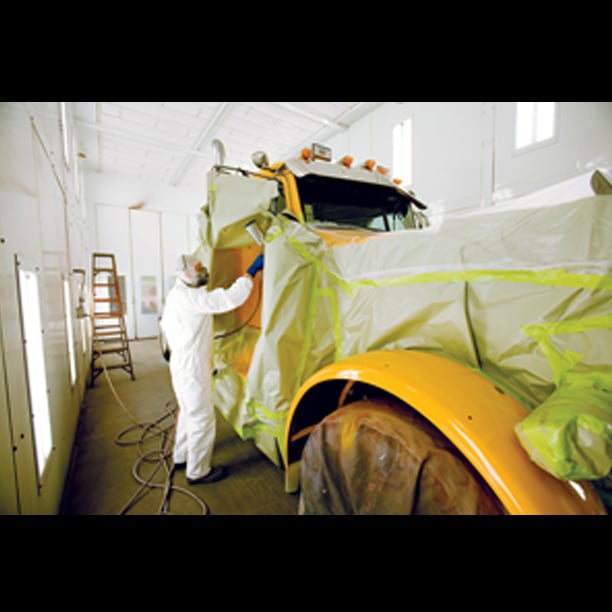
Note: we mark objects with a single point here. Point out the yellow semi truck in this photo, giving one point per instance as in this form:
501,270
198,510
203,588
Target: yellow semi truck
370,337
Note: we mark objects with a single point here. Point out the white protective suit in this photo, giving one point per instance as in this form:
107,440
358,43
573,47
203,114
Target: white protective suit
188,327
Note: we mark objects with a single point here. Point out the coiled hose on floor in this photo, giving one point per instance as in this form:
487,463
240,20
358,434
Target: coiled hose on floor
160,458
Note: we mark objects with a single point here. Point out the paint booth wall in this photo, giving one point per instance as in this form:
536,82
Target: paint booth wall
464,155
53,215
44,237
147,244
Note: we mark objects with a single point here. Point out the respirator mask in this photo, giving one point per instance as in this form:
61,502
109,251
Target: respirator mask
192,272
201,278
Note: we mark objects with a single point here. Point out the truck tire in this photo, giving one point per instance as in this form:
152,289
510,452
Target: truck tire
378,456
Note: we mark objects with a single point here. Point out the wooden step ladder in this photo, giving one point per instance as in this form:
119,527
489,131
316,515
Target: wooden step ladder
109,333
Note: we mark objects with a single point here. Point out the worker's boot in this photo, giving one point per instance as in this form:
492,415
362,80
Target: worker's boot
215,474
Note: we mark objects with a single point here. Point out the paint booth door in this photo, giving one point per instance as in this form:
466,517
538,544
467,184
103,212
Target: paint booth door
113,226
175,242
146,262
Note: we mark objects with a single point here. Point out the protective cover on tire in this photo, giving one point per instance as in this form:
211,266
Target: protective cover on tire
379,457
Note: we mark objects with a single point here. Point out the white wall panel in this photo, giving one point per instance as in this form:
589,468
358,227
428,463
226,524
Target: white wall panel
147,267
463,152
194,233
360,140
447,147
175,241
9,503
37,200
20,233
146,246
51,169
583,142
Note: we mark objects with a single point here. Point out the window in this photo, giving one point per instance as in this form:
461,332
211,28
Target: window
535,123
402,151
329,201
35,364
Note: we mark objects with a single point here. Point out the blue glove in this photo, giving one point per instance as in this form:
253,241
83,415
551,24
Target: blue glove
256,266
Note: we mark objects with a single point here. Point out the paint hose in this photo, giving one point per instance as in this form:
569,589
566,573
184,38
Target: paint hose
160,457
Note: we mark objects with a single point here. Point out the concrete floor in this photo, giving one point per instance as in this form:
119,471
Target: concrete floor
101,482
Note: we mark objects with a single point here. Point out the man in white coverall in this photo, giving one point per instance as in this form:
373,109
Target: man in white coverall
187,325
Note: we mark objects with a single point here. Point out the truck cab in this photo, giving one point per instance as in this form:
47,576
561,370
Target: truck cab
360,301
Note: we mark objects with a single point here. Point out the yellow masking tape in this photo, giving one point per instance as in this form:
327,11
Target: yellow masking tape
262,414
554,278
550,277
308,256
312,306
561,364
337,324
542,332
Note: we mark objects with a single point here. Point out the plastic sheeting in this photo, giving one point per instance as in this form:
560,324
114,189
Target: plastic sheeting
523,295
601,181
232,202
570,434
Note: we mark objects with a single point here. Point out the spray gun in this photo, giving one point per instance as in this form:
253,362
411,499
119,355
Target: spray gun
253,229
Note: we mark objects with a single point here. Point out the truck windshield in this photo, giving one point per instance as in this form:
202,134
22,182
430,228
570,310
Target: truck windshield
341,202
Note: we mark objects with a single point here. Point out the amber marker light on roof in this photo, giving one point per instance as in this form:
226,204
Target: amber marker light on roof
369,164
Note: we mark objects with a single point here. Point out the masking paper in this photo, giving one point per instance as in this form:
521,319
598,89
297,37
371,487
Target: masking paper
525,296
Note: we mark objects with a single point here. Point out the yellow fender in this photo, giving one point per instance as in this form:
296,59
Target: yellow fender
469,409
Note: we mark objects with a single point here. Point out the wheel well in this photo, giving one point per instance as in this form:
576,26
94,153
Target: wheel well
321,400
379,455
329,395
465,406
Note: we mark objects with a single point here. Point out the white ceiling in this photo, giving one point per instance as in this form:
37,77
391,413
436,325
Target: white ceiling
171,142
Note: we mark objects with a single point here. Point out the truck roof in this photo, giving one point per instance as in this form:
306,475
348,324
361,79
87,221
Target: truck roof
300,168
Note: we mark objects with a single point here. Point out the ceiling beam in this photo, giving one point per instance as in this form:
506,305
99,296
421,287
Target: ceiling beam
333,123
219,115
354,113
147,141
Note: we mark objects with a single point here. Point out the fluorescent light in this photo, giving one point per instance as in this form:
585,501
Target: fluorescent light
70,332
36,370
